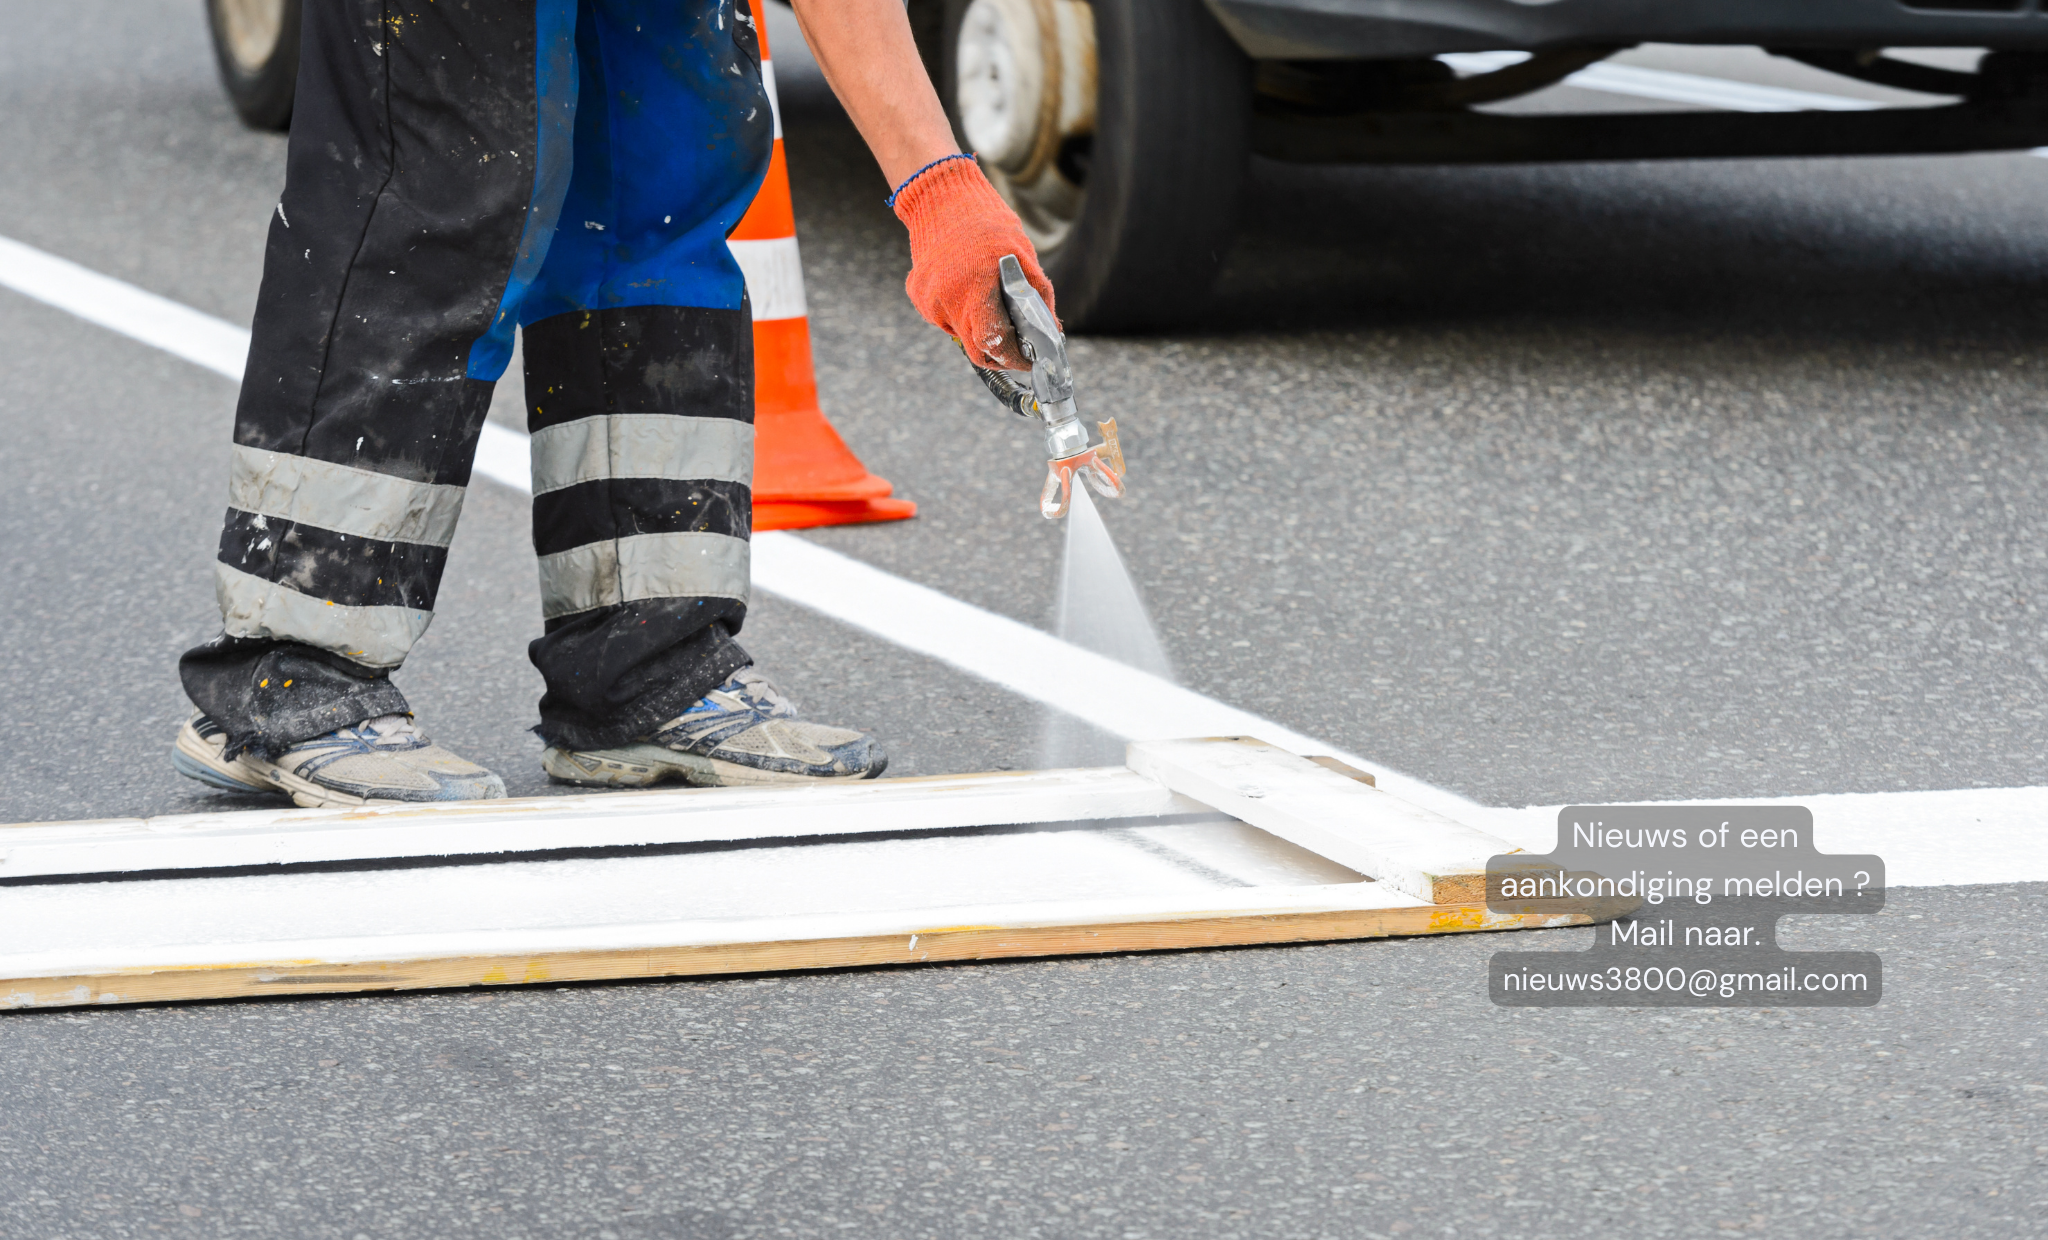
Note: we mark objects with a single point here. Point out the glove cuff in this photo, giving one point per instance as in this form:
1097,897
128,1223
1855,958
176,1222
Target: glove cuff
951,191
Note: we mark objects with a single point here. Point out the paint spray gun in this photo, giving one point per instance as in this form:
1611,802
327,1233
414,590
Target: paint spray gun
1049,396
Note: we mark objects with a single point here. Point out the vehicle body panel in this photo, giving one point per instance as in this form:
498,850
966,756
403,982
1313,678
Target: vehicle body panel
1402,29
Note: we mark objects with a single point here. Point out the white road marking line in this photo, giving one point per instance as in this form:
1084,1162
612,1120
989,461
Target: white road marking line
118,306
1934,838
1947,838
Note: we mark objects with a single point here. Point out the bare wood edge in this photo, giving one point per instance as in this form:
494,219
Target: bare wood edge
867,951
1465,887
1345,769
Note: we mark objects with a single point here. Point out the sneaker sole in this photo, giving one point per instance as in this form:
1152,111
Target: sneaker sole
642,766
204,772
193,758
308,795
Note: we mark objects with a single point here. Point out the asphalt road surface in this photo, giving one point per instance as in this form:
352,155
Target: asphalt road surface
1544,485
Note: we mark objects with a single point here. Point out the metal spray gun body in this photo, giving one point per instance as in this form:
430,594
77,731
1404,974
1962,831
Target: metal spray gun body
1050,397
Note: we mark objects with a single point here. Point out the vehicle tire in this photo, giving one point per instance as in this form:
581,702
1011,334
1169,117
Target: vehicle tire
256,46
1119,131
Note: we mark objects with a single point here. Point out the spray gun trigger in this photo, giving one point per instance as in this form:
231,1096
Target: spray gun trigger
1038,334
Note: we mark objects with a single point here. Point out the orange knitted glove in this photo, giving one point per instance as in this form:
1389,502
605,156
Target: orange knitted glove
960,228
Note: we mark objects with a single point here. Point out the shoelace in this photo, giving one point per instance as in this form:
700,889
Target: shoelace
761,693
390,730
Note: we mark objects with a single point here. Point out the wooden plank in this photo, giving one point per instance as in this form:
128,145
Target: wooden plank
1266,916
599,820
185,918
1415,850
1345,769
406,897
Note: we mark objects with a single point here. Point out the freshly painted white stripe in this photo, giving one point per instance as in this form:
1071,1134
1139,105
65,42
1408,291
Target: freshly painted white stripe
253,607
1691,88
342,498
642,445
505,456
643,566
775,277
178,330
1927,839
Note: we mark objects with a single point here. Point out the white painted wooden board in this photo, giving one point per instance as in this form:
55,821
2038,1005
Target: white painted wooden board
601,820
1414,850
706,881
600,902
345,951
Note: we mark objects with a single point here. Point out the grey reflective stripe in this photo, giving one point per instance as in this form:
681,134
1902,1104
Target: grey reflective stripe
342,498
642,445
601,574
376,636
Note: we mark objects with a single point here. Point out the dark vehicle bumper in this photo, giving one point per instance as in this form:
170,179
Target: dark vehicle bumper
1402,29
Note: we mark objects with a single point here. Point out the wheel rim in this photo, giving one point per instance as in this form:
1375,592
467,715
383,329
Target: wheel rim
250,31
1024,90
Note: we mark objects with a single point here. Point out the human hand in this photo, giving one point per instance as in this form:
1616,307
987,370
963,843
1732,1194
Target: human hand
960,228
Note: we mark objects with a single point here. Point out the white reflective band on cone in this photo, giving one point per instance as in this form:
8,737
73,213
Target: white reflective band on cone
775,277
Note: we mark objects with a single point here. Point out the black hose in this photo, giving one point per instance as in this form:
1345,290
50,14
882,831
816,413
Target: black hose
1014,395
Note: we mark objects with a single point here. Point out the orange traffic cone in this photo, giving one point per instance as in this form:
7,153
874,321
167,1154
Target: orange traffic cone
804,475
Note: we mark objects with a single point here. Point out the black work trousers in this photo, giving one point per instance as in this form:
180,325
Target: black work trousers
456,168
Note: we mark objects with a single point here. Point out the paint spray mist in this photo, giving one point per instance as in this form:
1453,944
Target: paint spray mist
1100,611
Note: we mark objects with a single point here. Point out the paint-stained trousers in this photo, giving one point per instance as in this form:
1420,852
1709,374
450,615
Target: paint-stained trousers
458,167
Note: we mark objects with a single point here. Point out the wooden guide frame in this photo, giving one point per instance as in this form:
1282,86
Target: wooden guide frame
1428,874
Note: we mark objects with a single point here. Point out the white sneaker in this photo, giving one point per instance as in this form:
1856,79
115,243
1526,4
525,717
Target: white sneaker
380,761
743,732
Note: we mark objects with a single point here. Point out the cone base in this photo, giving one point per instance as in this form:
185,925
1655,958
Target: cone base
804,514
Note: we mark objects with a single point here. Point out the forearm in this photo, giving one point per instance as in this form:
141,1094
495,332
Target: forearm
871,62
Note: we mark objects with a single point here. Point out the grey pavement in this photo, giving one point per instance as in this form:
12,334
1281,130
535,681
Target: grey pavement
1330,1091
1545,485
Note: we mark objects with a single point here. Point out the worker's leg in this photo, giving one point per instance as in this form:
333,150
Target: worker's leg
639,372
418,197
